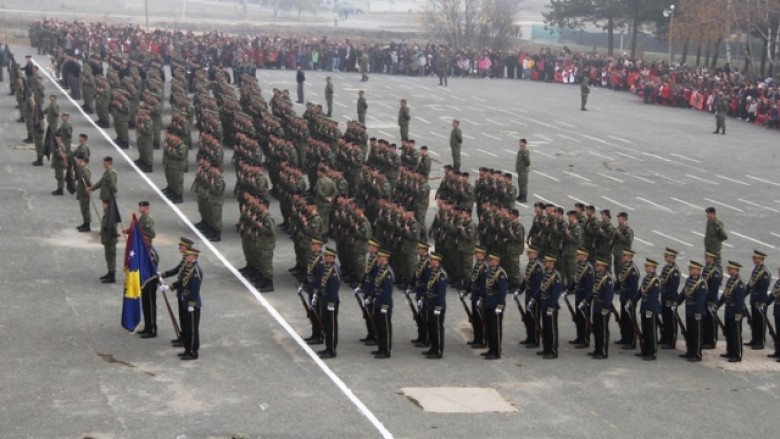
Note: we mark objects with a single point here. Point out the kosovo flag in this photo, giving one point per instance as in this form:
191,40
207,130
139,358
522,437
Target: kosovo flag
138,268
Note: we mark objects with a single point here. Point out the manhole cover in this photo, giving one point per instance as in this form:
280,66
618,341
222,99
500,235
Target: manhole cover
458,399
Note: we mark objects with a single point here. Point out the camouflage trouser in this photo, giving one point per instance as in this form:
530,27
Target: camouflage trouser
512,267
121,127
110,251
568,267
38,139
59,173
265,259
302,252
203,209
145,149
404,131
174,175
28,120
249,247
324,211
214,207
88,93
102,112
157,127
84,205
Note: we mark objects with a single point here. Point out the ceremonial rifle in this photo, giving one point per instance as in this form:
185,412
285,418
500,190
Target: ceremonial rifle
714,314
416,316
168,306
537,324
308,307
516,297
635,325
680,323
462,297
571,309
746,311
366,314
588,322
769,325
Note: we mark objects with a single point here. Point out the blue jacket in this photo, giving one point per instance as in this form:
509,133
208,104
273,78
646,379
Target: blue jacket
188,286
331,283
733,296
532,281
495,288
775,296
758,285
436,290
649,293
383,287
369,275
476,283
551,290
713,277
670,283
420,277
694,294
602,294
582,284
627,282
314,272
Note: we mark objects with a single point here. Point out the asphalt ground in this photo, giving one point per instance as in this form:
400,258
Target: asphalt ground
72,371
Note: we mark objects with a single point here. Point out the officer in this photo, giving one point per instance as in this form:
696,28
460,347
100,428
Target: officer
328,298
108,237
107,183
712,275
314,272
367,288
670,283
649,308
581,285
185,244
715,234
403,119
774,298
436,307
383,305
149,290
627,284
475,285
721,111
419,284
456,141
601,298
362,107
531,283
734,299
757,288
694,294
496,286
522,165
547,299
188,286
84,179
584,92
329,95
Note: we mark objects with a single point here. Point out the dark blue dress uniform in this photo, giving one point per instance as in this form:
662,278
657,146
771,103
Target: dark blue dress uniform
178,271
694,294
314,271
475,285
367,286
734,299
757,289
188,288
419,283
649,308
383,310
496,286
149,300
436,307
582,285
601,299
328,301
774,298
670,284
549,293
709,326
627,284
531,283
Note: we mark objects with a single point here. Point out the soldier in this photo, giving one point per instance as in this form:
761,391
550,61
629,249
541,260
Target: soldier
149,290
363,66
188,288
362,107
581,285
721,111
572,240
108,238
82,149
185,244
436,307
383,305
496,285
419,284
466,240
442,68
329,96
367,288
515,245
52,113
107,183
65,131
584,92
601,298
174,161
773,298
547,300
266,243
712,275
522,165
325,191
605,237
120,113
456,141
475,285
314,275
757,288
590,232
403,119
84,179
144,141
694,294
670,282
715,234
649,293
624,237
300,78
734,299
531,283
328,296
626,285
424,166
59,162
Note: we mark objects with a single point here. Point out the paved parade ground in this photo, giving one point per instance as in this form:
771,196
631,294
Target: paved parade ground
71,371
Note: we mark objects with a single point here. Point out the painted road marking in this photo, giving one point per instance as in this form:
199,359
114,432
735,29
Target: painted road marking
544,154
610,177
617,203
643,241
422,120
564,136
629,156
491,136
619,139
682,157
655,156
763,180
577,200
545,175
733,180
646,180
437,134
605,157
724,205
702,235
565,124
672,238
517,122
544,199
494,122
758,205
486,152
687,203
704,180
655,204
577,176
753,239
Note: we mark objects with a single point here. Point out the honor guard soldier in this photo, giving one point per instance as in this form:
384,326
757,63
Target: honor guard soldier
419,284
496,286
188,288
149,290
436,307
383,305
601,298
757,288
627,285
670,283
328,296
582,285
734,299
773,298
475,286
314,271
694,294
184,245
649,308
367,288
549,293
532,282
712,275
362,107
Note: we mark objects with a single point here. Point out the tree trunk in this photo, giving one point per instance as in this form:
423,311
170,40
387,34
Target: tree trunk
684,55
763,56
634,32
610,35
748,55
698,54
715,53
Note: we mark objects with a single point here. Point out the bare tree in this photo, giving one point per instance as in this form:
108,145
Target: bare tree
463,23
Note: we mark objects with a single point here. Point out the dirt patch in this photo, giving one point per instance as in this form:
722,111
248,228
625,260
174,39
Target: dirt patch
458,400
110,359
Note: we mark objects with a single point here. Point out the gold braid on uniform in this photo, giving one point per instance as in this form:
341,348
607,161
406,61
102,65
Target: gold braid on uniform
690,290
754,277
729,290
189,271
381,277
645,288
182,266
601,282
776,290
624,274
708,273
328,274
529,270
421,267
581,271
665,279
546,285
492,278
432,281
312,263
371,263
475,272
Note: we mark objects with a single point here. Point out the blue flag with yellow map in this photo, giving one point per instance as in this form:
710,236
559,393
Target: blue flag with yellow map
139,267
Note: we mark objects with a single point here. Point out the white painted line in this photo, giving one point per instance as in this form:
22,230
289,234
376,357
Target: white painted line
414,136
491,136
657,157
544,199
510,151
477,99
433,152
704,180
724,205
469,137
422,120
464,154
374,118
545,154
521,204
346,117
423,87
655,204
605,157
384,105
543,137
458,98
646,180
617,203
610,177
629,156
394,95
387,134
763,180
619,139
687,203
387,87
518,122
596,139
753,239
758,205
643,241
437,134
252,290
406,87
683,157
725,244
775,234
577,176
672,238
454,107
577,200
673,180
540,122
312,93
733,180
564,136
564,124
487,152
494,122
545,175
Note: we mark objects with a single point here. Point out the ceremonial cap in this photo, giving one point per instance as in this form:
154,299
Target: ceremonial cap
582,251
330,252
758,254
192,251
549,258
480,249
373,242
435,256
695,264
651,262
316,241
735,265
532,249
143,204
187,242
602,262
670,252
423,245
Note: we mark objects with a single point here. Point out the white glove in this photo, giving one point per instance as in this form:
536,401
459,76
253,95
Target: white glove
581,305
479,303
190,309
674,307
516,294
159,274
165,288
436,312
314,301
383,311
357,290
499,311
419,304
627,308
366,301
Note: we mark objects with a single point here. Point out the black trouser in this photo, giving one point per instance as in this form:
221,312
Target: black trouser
531,315
693,338
182,315
436,331
423,327
149,307
494,330
757,327
330,319
370,325
601,333
189,330
626,325
776,311
734,337
384,327
477,323
649,334
316,328
668,327
709,329
550,330
583,333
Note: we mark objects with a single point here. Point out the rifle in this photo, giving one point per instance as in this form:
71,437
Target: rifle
637,331
415,312
366,314
537,324
516,297
714,314
769,325
571,309
307,306
746,311
588,322
680,323
461,296
170,311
